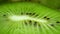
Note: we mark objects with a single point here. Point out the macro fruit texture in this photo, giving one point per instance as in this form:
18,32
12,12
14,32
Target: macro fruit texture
28,18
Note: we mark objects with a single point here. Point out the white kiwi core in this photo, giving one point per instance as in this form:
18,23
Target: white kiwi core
25,17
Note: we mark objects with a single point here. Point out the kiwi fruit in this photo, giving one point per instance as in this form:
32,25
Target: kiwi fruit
28,18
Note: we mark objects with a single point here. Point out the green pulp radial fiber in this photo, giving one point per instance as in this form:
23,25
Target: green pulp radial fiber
28,18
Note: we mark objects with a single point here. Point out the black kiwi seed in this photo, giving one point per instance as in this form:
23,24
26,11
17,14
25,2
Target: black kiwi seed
52,24
21,13
35,23
30,22
25,23
33,14
45,17
27,13
36,15
57,22
48,18
38,25
30,13
4,15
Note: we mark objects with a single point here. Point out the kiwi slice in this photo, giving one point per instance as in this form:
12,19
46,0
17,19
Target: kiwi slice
28,18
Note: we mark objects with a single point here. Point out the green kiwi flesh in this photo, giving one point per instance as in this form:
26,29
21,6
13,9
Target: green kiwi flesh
28,18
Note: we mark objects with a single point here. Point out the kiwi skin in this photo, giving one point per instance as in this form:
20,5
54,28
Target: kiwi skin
38,11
